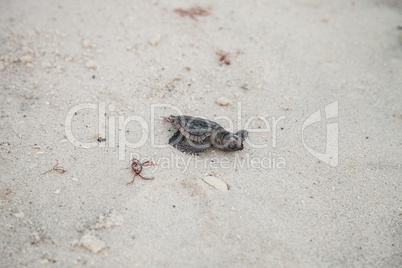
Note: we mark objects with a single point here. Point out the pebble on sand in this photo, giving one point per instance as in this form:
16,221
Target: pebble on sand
91,64
223,101
155,40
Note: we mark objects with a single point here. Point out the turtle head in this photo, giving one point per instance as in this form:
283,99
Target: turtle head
234,142
243,134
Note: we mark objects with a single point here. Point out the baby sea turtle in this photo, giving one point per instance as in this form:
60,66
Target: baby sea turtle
201,134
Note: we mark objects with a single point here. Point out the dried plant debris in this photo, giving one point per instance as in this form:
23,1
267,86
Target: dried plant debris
397,116
194,12
224,57
171,85
136,168
56,168
245,86
215,182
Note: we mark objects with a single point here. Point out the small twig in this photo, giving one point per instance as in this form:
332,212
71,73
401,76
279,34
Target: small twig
56,168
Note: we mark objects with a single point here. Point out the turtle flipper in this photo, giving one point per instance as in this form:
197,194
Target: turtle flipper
176,138
178,142
198,148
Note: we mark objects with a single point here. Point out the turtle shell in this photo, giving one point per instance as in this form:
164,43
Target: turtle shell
194,128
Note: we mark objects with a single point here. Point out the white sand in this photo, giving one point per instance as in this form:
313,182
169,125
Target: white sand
288,58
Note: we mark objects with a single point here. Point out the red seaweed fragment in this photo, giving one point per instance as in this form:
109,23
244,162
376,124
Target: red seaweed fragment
136,168
56,168
193,12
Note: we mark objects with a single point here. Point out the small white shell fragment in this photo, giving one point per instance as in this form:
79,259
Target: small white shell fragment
57,191
223,101
19,215
36,147
155,40
215,182
91,64
92,243
74,179
40,152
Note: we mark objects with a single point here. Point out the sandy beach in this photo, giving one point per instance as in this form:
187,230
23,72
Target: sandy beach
84,85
